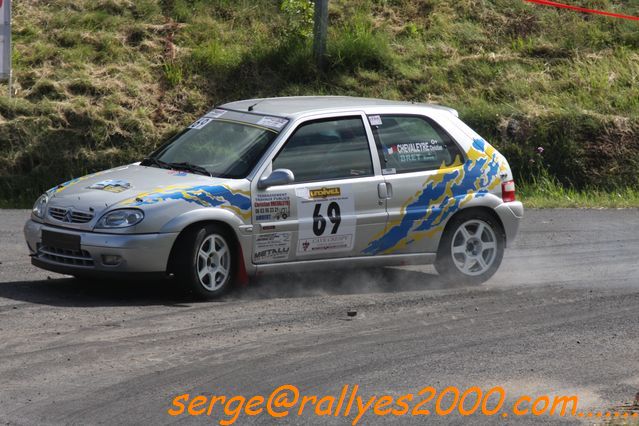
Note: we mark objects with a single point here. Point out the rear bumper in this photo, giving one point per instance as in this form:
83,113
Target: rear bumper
511,215
138,253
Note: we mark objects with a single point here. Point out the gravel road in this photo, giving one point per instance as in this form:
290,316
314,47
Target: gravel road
560,317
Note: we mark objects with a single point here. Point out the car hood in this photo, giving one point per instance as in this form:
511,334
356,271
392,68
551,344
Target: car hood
145,187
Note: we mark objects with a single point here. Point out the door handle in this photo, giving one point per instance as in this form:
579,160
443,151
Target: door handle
385,191
382,191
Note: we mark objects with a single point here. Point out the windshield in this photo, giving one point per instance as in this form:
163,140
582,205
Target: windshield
215,146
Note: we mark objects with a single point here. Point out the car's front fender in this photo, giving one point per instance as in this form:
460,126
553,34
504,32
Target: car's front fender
241,229
178,223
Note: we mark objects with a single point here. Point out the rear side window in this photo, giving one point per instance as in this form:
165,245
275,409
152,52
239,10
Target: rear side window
413,143
325,150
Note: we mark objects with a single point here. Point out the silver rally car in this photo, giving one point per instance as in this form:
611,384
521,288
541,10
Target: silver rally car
282,184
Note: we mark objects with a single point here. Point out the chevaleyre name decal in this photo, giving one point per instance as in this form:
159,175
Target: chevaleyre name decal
415,147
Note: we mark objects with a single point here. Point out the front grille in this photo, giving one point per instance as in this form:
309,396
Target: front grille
62,214
56,213
65,256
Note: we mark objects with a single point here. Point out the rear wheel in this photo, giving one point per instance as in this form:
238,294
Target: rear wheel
204,262
471,248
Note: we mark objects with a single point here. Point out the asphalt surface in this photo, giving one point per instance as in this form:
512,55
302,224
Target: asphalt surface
561,317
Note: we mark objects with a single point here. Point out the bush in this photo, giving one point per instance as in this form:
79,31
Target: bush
578,150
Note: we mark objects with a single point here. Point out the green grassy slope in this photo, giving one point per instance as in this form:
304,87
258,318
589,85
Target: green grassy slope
102,82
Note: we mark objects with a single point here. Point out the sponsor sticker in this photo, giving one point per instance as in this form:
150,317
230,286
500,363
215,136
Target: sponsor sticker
375,120
327,220
111,185
324,192
216,113
325,244
274,122
208,117
274,246
272,207
200,123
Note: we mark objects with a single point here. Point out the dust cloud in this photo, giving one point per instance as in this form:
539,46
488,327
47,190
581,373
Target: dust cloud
343,282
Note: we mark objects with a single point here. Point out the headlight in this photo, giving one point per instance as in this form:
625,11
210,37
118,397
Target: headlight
120,218
40,205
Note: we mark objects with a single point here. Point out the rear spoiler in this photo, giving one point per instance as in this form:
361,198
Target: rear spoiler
452,111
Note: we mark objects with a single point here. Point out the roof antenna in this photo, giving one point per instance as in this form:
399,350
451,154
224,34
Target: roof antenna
250,108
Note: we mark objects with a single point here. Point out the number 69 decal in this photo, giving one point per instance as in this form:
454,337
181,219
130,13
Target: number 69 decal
327,221
319,223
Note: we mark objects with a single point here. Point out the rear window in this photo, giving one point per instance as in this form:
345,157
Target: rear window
413,143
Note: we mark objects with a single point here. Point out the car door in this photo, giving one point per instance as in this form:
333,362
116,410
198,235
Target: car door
421,163
332,208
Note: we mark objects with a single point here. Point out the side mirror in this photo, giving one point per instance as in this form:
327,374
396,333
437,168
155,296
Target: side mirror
278,177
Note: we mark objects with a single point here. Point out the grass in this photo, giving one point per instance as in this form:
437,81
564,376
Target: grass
103,82
546,192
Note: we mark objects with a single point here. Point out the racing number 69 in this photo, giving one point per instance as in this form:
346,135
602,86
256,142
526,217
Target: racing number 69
319,223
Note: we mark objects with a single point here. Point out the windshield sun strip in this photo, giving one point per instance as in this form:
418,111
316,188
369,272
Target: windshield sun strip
228,120
256,113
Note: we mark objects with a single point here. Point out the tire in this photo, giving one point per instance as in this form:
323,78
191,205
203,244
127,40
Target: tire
471,248
204,263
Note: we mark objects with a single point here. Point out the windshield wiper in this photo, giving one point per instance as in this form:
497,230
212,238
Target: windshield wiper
152,161
190,167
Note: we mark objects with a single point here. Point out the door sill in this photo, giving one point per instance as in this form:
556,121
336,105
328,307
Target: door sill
349,262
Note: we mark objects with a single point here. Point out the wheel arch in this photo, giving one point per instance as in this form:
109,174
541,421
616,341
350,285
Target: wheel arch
241,273
485,209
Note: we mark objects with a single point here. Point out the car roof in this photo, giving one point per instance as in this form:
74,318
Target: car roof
295,106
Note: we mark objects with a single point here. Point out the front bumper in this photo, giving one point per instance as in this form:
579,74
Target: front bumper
510,214
138,253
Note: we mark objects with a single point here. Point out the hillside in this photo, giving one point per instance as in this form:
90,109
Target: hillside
102,82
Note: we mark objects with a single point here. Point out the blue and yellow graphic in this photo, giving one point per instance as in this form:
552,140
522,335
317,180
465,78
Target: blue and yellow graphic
72,182
111,185
204,195
444,193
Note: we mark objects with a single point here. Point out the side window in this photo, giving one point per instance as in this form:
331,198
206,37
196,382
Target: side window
413,143
328,149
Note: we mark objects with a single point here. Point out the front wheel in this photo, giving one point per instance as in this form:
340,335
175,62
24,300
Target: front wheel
471,248
204,261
